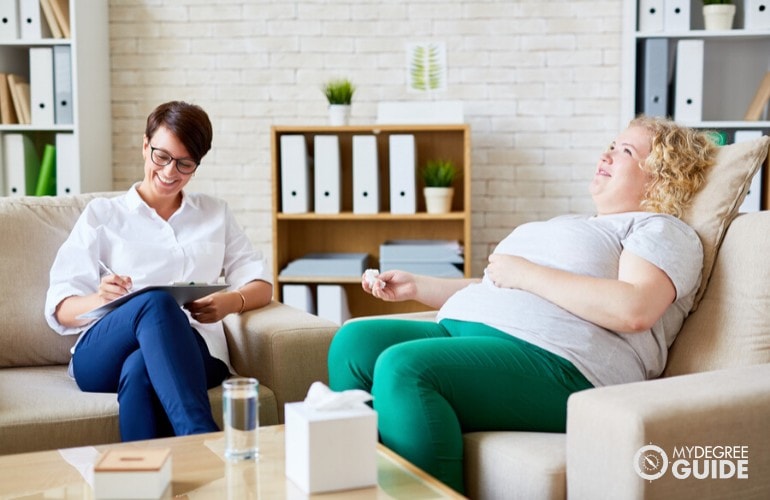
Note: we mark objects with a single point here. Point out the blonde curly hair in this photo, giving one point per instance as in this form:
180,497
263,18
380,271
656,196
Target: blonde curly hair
677,163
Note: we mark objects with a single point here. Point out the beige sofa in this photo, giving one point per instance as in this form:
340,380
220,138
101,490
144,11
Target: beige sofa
41,407
715,390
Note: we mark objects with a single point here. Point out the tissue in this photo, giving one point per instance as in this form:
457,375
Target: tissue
331,440
371,276
321,398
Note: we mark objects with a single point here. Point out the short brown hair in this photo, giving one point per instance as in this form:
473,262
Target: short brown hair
677,163
188,122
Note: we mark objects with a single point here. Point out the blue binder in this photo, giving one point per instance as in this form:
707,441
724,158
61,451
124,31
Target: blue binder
654,76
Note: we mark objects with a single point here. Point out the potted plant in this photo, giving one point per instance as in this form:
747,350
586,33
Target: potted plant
718,14
339,93
438,177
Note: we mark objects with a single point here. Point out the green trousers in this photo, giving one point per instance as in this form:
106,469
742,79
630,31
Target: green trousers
432,382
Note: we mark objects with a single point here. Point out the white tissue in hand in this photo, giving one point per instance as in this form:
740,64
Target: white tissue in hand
371,278
320,397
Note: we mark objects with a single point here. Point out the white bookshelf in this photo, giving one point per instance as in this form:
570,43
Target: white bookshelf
735,61
90,70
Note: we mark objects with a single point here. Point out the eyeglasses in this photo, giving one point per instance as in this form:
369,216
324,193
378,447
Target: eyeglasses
161,158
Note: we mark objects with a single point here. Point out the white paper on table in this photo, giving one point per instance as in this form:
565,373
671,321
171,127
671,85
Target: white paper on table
83,460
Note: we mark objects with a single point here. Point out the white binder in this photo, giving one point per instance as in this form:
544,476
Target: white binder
41,85
676,16
295,175
21,164
299,297
653,83
62,87
9,19
33,26
756,14
327,184
67,171
753,200
366,171
688,98
333,303
402,174
650,15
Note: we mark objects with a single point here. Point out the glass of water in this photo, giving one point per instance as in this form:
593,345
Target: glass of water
241,418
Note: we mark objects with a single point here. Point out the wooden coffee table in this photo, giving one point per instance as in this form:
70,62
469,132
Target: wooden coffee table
200,472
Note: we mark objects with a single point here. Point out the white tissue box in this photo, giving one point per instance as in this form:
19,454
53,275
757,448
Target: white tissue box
331,449
133,473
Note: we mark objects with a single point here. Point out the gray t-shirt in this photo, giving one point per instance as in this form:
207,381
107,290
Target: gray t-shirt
590,246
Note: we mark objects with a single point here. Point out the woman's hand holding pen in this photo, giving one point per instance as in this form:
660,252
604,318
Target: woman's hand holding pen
113,285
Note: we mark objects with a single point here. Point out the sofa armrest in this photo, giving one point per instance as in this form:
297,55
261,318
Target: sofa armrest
607,426
282,347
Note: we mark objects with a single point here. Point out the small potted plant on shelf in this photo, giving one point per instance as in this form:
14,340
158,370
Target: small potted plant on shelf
339,93
438,177
718,14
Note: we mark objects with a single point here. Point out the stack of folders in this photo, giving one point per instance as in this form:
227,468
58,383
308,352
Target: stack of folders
27,171
328,302
330,264
441,258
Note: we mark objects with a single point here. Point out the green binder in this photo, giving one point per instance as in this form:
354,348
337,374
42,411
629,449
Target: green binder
46,181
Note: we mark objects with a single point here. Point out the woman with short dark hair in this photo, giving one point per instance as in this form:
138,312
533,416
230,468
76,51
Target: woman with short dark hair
159,357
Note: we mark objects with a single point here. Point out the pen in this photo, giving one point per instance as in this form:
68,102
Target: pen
106,268
110,271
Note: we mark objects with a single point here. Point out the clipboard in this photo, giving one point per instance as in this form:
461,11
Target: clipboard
182,292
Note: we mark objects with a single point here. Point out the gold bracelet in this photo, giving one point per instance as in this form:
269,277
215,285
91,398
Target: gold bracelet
243,301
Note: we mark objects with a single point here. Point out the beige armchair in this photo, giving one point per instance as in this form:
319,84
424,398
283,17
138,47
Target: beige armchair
41,407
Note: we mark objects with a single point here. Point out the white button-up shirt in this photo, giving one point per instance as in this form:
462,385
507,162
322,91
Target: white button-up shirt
200,242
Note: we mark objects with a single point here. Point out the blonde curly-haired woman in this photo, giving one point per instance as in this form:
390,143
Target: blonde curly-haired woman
567,304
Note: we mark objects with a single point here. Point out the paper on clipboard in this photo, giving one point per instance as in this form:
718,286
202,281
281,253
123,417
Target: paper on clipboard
182,292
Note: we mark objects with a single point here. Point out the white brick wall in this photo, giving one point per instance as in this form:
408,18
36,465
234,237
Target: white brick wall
540,80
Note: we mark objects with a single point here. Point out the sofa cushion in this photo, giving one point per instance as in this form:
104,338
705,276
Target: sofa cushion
732,325
515,465
72,417
717,203
32,229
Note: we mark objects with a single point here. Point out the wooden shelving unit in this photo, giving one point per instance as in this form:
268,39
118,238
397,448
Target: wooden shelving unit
295,235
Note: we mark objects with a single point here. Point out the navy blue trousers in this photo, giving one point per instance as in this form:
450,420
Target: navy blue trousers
147,351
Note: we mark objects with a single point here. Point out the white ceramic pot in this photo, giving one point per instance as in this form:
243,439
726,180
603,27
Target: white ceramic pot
339,114
438,200
719,16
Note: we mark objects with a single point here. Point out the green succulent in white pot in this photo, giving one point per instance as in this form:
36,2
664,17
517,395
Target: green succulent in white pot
438,177
339,92
718,14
